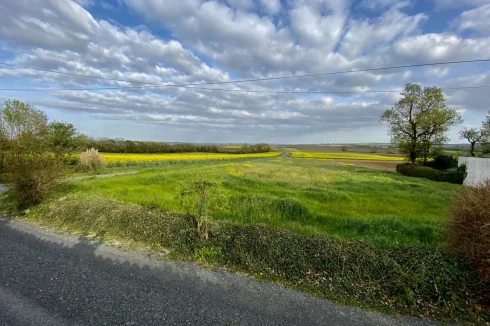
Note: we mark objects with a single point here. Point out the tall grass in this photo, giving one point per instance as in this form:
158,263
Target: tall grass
304,196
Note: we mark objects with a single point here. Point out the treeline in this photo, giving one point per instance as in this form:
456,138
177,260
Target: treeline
108,145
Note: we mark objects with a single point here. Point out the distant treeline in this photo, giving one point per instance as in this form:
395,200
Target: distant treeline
129,146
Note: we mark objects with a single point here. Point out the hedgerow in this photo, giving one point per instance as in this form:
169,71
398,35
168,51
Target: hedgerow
413,170
415,280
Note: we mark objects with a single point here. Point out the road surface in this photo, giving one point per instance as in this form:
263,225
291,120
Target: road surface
53,279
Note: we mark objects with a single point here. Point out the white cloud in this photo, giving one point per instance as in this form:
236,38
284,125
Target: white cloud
271,6
207,41
476,19
362,35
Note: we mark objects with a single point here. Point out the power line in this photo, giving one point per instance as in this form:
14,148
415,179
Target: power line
250,80
230,90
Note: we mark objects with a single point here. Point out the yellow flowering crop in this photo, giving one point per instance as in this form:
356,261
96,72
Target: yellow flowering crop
120,159
347,156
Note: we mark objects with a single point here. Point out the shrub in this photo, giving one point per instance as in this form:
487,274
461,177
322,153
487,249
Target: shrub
413,170
258,148
443,162
91,161
32,177
469,227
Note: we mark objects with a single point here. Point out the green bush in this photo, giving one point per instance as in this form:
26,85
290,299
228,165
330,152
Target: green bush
443,162
32,177
413,170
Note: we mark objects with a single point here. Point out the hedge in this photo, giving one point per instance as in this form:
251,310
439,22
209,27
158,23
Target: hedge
415,280
413,170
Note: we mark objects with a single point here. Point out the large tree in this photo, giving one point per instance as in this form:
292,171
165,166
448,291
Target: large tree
22,127
419,121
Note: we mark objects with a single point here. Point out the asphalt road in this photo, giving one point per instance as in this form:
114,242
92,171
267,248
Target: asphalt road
53,279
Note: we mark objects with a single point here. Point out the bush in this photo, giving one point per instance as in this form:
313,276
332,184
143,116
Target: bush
469,227
413,170
257,148
443,162
91,161
32,178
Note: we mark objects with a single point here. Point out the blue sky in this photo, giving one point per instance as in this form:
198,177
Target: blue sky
195,41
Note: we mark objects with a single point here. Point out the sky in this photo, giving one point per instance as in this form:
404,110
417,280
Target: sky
172,42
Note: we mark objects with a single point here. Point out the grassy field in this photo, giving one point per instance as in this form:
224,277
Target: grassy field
305,196
347,156
116,159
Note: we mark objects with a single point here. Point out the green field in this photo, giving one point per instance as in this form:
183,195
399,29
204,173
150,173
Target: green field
305,196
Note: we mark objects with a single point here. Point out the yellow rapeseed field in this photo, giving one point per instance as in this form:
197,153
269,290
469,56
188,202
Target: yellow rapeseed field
347,156
121,159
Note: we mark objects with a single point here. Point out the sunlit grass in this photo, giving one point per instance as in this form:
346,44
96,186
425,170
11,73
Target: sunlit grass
346,156
304,196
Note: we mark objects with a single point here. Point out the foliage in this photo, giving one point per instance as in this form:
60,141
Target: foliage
32,177
469,227
91,161
413,170
347,156
198,189
201,196
118,145
413,280
474,136
258,148
114,160
419,121
443,162
23,128
63,138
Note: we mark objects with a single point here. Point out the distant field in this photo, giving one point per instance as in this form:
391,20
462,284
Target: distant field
153,159
346,156
304,196
354,148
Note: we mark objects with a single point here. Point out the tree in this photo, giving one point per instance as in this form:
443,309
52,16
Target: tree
63,138
474,136
419,121
22,127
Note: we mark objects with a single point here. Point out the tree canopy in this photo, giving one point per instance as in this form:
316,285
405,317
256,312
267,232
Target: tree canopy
419,121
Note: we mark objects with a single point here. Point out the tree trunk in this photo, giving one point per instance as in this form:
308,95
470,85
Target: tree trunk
413,156
472,149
